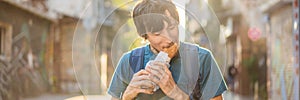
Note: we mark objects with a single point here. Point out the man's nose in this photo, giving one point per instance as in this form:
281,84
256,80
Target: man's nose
167,35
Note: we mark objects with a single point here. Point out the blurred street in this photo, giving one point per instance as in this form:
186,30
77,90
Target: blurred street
227,96
59,50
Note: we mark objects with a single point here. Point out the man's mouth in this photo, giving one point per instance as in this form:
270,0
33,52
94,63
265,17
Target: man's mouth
171,50
171,44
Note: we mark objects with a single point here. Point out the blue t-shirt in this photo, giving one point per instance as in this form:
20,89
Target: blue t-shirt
207,87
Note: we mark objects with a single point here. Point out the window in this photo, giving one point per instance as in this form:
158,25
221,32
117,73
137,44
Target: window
5,40
2,40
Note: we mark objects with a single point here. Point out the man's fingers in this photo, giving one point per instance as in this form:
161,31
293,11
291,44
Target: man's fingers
144,83
144,86
146,91
155,79
163,66
141,72
155,70
140,78
141,90
156,75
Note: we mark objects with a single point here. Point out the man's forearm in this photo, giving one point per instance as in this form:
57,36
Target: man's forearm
178,94
128,96
181,96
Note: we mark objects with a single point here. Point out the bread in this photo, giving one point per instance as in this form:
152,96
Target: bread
172,50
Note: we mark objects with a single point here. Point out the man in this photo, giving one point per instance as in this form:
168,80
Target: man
192,69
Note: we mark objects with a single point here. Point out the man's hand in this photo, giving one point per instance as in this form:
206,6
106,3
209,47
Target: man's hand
161,75
137,85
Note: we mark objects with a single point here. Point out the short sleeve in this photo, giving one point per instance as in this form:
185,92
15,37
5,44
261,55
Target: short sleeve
212,83
121,78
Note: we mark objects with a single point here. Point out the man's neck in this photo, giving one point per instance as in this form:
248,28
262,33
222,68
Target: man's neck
155,51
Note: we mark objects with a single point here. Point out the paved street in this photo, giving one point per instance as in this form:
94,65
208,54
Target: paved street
227,96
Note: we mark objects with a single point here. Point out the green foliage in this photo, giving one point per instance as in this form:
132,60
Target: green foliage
249,64
137,43
122,4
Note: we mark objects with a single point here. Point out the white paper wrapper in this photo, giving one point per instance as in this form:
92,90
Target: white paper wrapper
161,57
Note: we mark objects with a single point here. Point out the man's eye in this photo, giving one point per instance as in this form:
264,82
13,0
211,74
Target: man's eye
156,33
171,27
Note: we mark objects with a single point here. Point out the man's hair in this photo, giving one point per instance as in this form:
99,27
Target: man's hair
149,15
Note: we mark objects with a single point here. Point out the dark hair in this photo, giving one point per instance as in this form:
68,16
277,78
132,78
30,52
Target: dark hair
148,15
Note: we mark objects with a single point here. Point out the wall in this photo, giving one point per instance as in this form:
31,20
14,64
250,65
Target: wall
29,35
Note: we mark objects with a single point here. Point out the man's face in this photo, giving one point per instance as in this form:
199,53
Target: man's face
166,37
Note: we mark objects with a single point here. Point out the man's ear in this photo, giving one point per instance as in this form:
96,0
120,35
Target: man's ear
145,36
